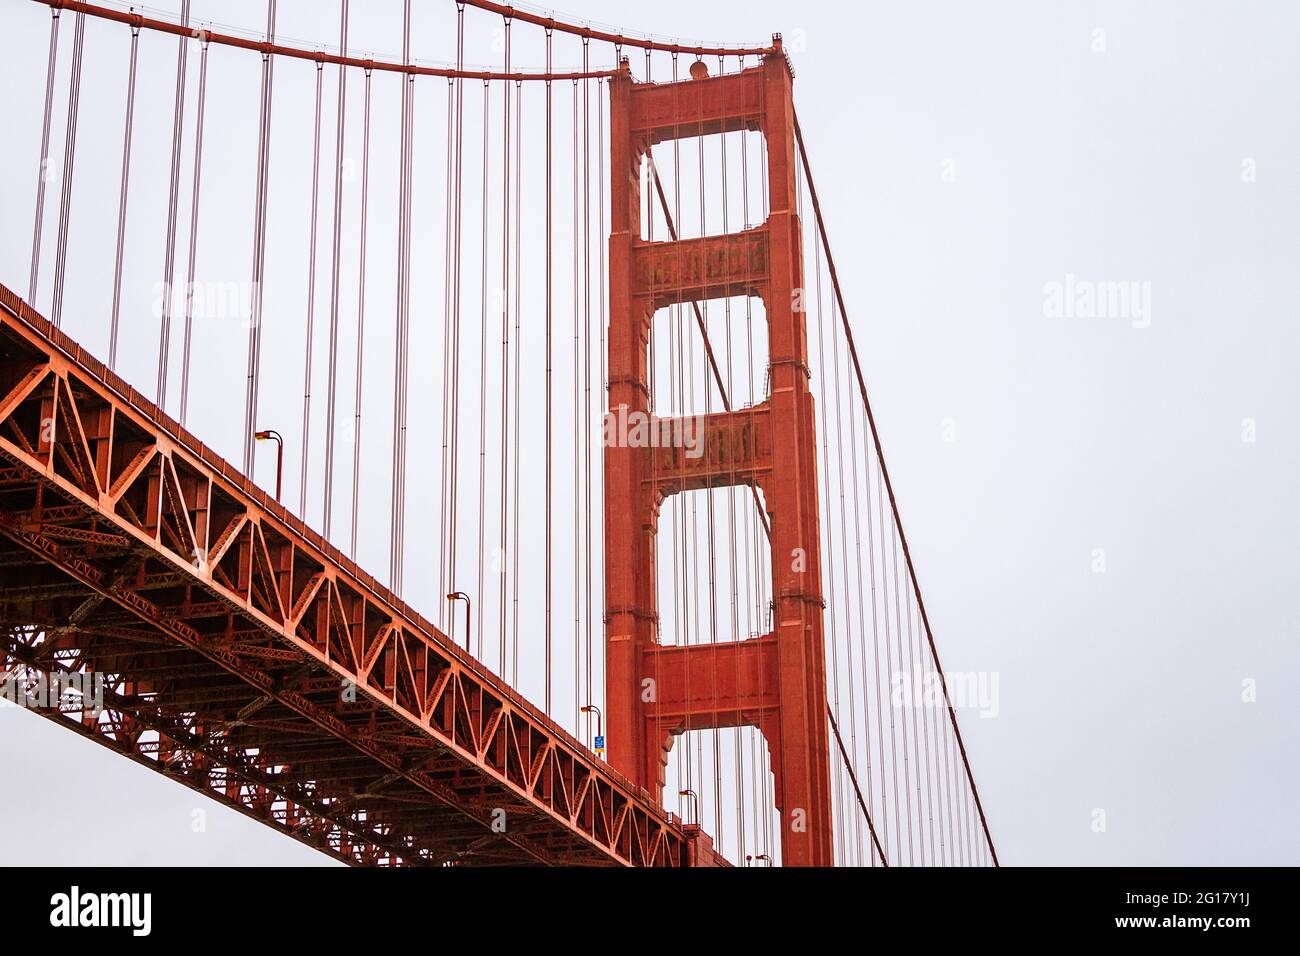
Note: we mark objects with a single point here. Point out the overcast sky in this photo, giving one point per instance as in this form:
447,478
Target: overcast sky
1102,509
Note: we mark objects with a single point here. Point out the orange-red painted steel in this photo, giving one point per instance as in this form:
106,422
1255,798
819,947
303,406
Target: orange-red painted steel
776,683
265,47
247,658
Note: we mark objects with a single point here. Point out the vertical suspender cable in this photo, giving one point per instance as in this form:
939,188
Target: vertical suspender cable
732,540
194,228
731,503
454,407
361,314
883,616
503,637
752,565
889,670
310,340
676,405
939,789
578,438
673,371
400,369
915,705
69,163
173,198
42,171
259,246
447,356
586,362
122,195
601,296
951,783
331,396
898,637
549,410
857,546
710,534
482,368
875,639
514,546
925,737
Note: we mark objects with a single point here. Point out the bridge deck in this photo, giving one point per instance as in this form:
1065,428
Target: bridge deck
245,657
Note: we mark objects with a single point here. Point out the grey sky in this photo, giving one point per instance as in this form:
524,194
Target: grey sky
968,155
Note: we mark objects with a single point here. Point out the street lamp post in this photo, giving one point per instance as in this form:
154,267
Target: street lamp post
462,596
696,796
599,743
272,435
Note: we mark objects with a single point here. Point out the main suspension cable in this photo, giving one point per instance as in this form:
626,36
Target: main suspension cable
269,47
618,39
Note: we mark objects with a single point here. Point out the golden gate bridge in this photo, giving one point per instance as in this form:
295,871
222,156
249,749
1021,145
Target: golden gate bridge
577,312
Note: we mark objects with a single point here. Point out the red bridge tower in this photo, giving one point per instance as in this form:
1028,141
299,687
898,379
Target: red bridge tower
776,682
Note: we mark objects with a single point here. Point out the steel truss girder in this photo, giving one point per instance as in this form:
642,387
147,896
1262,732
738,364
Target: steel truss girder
155,534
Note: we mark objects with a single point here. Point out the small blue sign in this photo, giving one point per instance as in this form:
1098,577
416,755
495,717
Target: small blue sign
600,744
